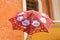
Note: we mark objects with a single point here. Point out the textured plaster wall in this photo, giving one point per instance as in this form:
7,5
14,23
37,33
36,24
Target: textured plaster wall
8,8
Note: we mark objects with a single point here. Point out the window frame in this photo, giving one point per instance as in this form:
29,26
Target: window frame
39,5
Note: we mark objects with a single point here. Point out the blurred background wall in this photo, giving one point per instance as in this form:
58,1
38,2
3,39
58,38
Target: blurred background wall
56,9
8,8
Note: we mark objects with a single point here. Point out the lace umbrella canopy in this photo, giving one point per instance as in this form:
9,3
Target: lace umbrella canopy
31,22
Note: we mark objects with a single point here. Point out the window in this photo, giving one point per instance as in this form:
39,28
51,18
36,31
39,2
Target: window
32,5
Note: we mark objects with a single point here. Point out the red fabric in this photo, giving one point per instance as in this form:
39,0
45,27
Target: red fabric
44,27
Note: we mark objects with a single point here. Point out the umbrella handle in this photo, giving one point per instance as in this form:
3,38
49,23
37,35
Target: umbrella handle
27,37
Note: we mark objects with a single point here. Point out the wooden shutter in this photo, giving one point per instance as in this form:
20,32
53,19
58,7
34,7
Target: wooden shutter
47,8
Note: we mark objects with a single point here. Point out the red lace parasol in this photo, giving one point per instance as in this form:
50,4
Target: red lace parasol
31,22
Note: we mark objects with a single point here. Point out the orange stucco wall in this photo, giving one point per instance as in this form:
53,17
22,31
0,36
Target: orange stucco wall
8,8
